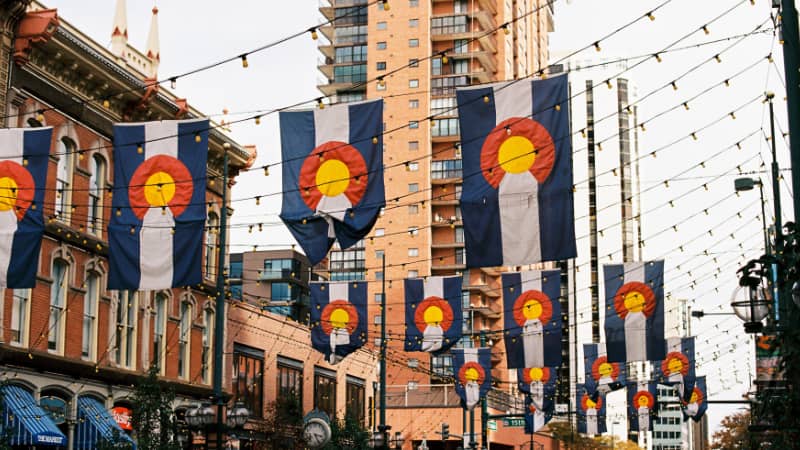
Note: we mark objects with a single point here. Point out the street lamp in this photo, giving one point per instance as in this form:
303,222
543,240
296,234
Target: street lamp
751,300
380,437
747,184
700,313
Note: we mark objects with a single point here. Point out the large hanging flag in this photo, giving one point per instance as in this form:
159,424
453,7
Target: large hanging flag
696,406
601,375
635,311
540,385
677,369
533,318
338,318
332,174
433,313
520,209
473,370
591,413
23,177
535,417
155,236
642,405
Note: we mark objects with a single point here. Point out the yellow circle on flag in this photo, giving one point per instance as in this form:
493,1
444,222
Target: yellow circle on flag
644,402
532,309
605,369
634,301
590,403
516,154
159,189
693,399
333,177
433,315
471,374
675,365
339,318
536,373
8,193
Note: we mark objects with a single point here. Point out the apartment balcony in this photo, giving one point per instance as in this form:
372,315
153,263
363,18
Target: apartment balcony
486,311
449,267
331,88
422,396
486,59
327,31
441,245
483,288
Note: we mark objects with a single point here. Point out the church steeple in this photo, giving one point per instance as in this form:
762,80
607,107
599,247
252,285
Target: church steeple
119,33
153,52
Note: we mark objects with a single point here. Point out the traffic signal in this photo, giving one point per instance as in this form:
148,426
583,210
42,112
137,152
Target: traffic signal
445,431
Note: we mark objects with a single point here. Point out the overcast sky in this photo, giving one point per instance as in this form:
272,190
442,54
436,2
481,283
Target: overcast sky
196,32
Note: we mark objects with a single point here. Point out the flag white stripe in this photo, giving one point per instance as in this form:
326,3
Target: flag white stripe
513,100
161,138
634,271
434,286
11,149
12,143
332,124
531,280
338,291
470,355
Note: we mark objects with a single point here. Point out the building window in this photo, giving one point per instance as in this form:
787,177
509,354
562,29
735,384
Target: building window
381,26
350,35
459,234
445,127
350,74
445,169
460,6
380,231
413,209
96,186
413,23
380,65
413,166
354,15
413,62
64,171
413,187
378,297
20,312
413,274
442,366
381,45
444,106
413,104
348,264
208,339
413,125
449,25
58,297
159,330
276,269
379,254
90,304
413,231
125,341
413,145
247,378
413,3
325,390
355,400
460,46
413,83
413,252
413,42
290,385
447,86
211,246
352,54
184,340
461,256
378,275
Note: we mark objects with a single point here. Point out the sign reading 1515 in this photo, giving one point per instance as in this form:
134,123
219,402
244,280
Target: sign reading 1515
514,422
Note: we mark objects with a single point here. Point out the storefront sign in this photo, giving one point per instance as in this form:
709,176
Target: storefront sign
123,417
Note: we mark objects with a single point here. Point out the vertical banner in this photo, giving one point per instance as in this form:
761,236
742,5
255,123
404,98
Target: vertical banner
24,155
535,416
434,317
332,174
338,318
677,369
642,405
634,321
696,406
155,236
516,136
473,370
591,413
532,318
540,385
601,375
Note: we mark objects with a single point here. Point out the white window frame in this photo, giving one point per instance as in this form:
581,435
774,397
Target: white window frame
20,316
64,176
91,304
210,244
97,184
208,343
161,309
184,340
58,306
126,322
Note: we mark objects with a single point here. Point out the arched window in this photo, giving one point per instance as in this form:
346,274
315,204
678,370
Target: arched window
125,342
63,207
211,246
90,303
56,404
184,340
58,302
94,223
208,343
159,331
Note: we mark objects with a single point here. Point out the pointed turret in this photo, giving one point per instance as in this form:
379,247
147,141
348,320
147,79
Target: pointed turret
119,34
152,51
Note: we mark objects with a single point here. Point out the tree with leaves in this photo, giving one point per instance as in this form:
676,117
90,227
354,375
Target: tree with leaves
152,416
348,434
733,433
283,424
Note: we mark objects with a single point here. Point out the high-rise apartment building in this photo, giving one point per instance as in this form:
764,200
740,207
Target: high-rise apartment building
414,54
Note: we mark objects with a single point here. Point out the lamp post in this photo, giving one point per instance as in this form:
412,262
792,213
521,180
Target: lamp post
747,184
751,300
204,417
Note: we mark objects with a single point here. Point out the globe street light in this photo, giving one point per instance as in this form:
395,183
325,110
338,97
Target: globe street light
751,300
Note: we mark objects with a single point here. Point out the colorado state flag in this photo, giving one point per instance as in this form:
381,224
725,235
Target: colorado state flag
338,318
532,318
433,313
473,370
696,406
642,405
635,311
535,417
516,201
332,174
677,369
591,413
24,155
540,385
155,236
601,375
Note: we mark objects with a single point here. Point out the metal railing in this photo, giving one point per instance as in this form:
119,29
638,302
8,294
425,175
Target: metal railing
422,395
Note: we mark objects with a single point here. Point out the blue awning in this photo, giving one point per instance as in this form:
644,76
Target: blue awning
26,422
95,423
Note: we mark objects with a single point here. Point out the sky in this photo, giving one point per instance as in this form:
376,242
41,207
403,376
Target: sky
699,236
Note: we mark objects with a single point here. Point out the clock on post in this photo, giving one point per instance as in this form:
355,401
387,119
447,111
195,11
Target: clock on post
316,429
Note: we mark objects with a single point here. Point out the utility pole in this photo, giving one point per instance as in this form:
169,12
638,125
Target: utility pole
791,67
484,407
382,426
776,199
219,313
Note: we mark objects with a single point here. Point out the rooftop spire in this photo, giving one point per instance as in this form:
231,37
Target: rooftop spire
119,33
153,52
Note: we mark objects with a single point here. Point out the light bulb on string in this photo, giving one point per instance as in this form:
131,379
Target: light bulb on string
245,64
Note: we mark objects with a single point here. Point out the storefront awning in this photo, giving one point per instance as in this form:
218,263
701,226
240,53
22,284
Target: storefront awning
26,422
96,424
